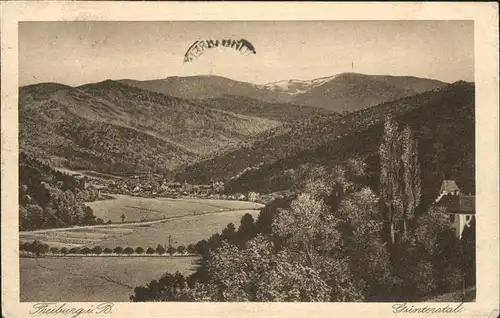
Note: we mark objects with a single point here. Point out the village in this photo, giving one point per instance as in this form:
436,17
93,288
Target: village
151,187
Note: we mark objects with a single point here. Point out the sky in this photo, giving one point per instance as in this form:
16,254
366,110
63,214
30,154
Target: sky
76,53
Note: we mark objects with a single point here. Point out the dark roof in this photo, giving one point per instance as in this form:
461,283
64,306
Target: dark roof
460,204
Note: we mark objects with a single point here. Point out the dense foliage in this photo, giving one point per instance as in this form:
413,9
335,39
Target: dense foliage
328,243
49,198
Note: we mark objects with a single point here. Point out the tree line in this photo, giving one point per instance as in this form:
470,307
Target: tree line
336,239
39,248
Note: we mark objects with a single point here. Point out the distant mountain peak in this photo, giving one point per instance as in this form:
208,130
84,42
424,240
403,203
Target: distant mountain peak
341,92
295,86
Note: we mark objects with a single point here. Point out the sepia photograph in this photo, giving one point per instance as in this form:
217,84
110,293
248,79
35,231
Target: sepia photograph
172,161
326,161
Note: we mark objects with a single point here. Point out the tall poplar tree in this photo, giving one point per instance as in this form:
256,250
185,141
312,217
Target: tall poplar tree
390,189
411,176
400,185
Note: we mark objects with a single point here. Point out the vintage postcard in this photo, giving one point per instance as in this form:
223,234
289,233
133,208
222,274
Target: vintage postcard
249,159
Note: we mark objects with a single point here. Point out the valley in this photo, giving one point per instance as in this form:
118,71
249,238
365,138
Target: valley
132,179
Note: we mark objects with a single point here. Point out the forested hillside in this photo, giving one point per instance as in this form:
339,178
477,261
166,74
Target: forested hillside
254,107
443,121
444,126
49,198
114,128
127,127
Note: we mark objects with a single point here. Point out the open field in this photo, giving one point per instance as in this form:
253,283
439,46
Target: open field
98,279
187,221
184,230
137,208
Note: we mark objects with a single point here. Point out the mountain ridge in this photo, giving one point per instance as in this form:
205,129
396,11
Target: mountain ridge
91,125
339,92
266,157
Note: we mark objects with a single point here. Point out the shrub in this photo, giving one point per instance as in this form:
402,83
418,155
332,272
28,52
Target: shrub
160,249
171,250
191,249
64,250
26,246
85,250
74,250
54,250
128,250
38,247
118,250
109,222
97,250
45,248
139,250
181,249
107,250
150,250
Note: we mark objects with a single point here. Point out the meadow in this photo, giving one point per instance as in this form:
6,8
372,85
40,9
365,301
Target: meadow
136,209
186,222
183,230
98,279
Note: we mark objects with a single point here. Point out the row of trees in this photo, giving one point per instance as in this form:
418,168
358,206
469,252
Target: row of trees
336,240
38,248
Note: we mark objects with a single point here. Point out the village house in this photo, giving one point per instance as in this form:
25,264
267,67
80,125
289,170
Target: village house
461,208
253,196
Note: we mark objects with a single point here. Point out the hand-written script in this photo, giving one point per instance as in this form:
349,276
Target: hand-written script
63,309
405,308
